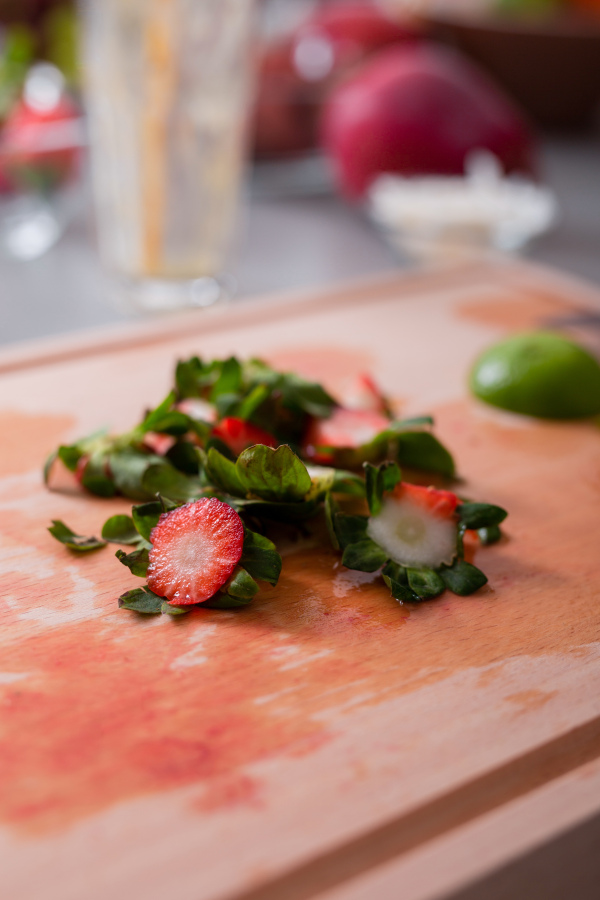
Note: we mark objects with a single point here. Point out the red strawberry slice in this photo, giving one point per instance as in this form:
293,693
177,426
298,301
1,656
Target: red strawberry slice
344,429
158,443
364,394
239,435
195,548
81,467
439,503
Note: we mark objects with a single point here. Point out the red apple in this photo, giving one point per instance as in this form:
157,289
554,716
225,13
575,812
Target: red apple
297,71
415,110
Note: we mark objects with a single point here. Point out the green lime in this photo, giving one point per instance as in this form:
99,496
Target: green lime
538,374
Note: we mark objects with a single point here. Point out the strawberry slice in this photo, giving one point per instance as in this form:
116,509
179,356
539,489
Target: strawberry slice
158,443
239,435
344,429
197,408
195,548
417,526
439,503
364,394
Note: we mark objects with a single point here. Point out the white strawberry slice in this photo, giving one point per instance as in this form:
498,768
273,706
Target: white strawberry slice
197,408
417,526
195,549
362,393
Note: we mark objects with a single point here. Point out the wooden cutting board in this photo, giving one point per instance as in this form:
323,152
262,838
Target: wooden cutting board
327,742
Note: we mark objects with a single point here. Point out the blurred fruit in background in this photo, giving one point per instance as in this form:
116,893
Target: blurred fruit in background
50,25
40,141
419,110
544,53
32,31
41,134
297,70
587,6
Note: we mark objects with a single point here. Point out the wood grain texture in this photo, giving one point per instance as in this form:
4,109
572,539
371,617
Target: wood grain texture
301,744
543,846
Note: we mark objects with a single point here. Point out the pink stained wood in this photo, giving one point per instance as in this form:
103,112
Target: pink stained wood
284,750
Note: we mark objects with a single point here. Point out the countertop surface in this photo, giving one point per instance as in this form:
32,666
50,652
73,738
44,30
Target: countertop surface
289,239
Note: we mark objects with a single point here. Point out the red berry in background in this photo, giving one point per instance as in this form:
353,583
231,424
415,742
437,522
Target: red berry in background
195,549
362,392
417,110
238,435
344,429
40,136
298,70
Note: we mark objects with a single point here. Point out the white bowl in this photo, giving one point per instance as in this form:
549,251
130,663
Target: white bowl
438,218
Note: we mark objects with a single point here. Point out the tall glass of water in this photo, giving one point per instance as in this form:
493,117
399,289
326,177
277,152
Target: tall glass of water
168,86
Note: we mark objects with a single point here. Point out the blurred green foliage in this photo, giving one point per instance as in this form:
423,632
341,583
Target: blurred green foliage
32,30
529,8
17,54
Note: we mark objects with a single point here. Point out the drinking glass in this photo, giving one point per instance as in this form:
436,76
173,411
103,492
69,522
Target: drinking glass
168,85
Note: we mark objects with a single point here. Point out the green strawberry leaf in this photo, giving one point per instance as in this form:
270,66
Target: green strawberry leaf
223,473
260,558
215,443
426,583
145,517
421,450
229,380
48,466
73,541
326,479
128,469
460,540
94,478
365,556
184,456
277,511
348,483
225,601
137,562
69,456
489,535
350,529
378,480
120,530
154,419
173,422
252,401
167,609
242,586
331,511
166,480
275,475
227,405
142,600
189,375
462,578
396,579
400,425
480,515
308,396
